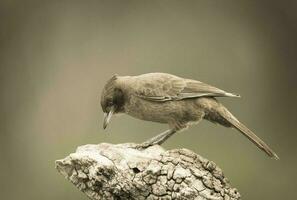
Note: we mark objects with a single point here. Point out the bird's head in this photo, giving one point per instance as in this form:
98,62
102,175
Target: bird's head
112,99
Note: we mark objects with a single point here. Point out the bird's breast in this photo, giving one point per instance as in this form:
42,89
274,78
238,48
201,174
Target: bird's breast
163,112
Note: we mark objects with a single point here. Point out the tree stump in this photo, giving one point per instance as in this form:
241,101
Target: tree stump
120,172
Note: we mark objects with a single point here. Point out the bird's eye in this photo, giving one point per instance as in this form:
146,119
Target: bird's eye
109,103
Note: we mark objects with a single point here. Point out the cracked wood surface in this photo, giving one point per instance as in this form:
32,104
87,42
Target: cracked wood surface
107,171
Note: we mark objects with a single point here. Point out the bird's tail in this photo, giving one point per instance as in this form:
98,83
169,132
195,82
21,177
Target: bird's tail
222,116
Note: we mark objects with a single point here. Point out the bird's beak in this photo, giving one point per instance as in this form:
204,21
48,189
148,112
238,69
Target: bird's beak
107,117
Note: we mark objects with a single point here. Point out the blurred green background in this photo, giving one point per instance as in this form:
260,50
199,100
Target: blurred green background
55,57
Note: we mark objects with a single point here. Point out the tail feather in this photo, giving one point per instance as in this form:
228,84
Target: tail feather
254,138
229,118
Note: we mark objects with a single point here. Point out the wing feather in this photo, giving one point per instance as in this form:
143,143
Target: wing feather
166,87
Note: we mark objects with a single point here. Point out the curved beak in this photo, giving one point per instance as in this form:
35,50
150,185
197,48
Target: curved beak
107,117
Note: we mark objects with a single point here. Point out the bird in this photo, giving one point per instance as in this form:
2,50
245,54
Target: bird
173,100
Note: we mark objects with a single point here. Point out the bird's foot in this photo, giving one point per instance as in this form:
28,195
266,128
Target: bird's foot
143,145
157,140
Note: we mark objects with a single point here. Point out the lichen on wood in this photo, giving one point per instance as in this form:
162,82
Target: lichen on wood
120,172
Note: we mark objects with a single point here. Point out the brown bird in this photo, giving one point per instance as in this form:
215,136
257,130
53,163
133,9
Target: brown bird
176,101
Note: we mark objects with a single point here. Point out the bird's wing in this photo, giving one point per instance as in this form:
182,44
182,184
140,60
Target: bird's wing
167,87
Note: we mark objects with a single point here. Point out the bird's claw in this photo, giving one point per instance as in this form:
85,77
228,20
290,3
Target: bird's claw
142,146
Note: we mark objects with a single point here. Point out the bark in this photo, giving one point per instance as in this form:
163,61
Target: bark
107,171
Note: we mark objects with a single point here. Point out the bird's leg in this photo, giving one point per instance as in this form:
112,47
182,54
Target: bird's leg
159,139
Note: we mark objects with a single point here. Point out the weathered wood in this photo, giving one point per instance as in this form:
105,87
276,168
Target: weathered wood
107,171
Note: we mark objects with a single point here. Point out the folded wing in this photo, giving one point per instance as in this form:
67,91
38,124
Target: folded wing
167,87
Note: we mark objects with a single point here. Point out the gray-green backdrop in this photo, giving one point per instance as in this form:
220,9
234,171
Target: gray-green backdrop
55,57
